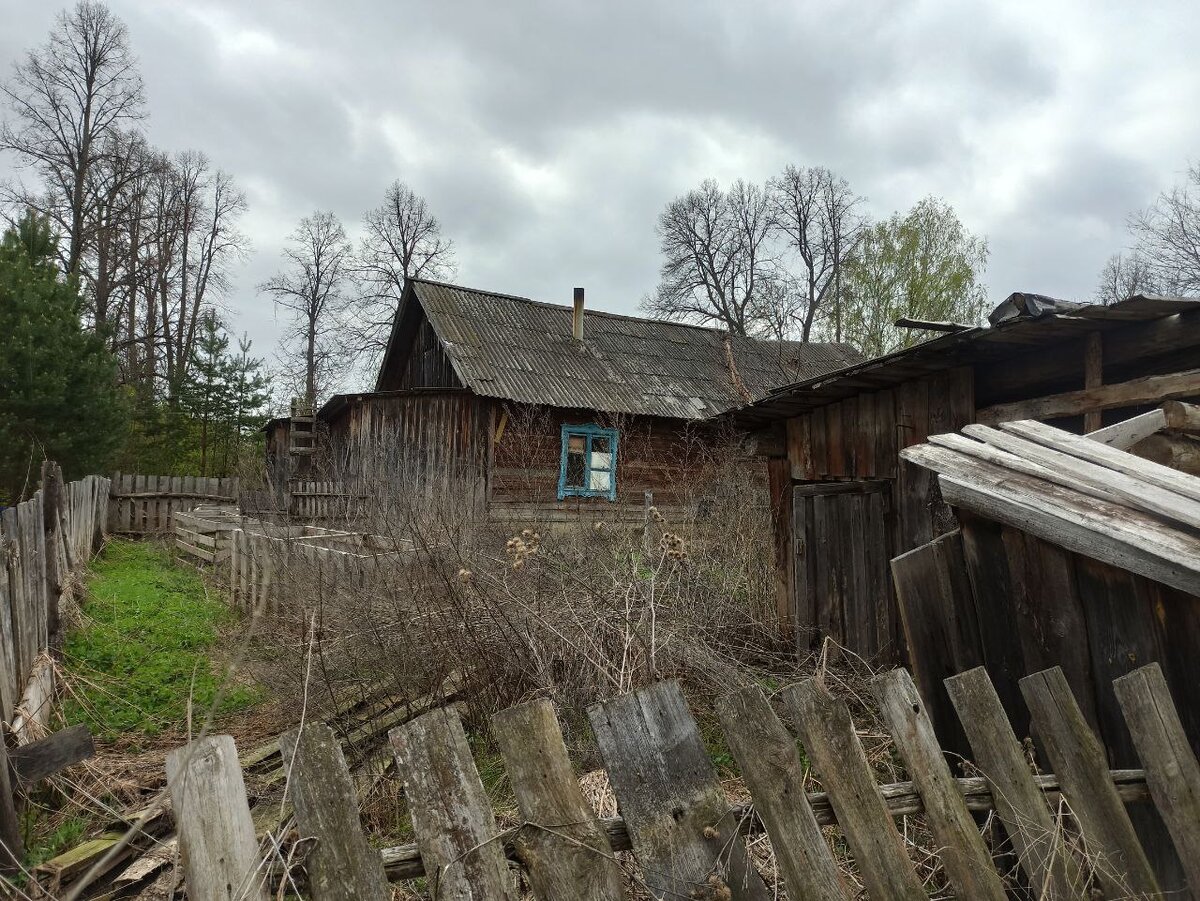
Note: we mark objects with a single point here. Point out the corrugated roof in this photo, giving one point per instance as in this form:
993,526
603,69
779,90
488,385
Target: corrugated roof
522,350
971,346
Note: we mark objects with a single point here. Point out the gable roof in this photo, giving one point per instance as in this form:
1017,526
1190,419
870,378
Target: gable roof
513,348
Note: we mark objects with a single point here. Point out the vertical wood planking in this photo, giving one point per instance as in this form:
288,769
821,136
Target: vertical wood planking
1020,803
1171,768
563,847
342,864
838,757
1093,375
678,818
806,623
886,448
12,849
770,764
452,818
216,834
8,649
1079,762
966,859
835,450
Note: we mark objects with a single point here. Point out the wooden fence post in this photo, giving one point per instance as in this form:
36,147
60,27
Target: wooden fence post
563,848
1082,769
1171,768
678,818
341,864
461,848
1020,802
964,855
11,848
770,763
212,816
832,744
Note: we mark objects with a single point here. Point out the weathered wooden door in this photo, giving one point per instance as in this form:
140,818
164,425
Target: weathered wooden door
843,590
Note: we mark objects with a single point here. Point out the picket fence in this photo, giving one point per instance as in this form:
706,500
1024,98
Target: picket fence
682,830
143,505
45,543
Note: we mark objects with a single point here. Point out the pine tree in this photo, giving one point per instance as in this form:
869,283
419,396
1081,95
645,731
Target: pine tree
206,395
58,394
250,393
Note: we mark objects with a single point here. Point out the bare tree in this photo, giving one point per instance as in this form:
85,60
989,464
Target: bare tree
816,214
1168,236
402,239
1124,276
319,266
715,258
67,98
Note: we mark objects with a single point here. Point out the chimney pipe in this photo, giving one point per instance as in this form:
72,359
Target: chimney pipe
577,318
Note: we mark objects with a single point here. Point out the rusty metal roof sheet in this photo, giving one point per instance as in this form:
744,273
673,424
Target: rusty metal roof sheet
522,350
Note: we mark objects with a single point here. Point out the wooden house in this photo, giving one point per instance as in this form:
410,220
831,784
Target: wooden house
546,412
844,502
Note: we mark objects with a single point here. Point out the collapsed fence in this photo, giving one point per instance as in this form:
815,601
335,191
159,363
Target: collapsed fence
688,840
45,543
144,505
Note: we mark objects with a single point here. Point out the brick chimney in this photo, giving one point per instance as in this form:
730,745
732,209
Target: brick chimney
577,318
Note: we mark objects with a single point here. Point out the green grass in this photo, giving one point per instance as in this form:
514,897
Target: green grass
45,842
149,627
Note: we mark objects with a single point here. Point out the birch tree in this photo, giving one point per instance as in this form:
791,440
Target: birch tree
1167,237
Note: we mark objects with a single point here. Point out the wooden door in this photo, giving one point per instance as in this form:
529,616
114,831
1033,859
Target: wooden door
843,590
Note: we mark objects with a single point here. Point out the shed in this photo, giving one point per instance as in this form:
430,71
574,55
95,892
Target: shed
844,502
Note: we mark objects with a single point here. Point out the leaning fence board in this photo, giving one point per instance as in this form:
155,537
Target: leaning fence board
1171,768
1079,762
216,834
678,818
452,818
770,764
12,849
341,864
838,757
1020,802
964,855
562,845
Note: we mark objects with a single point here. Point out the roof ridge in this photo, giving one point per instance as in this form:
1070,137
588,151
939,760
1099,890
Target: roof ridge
628,317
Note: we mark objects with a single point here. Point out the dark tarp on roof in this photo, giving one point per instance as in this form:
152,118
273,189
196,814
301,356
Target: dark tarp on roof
517,349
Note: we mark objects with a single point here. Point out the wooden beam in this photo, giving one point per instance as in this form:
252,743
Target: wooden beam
1182,417
1093,375
36,760
1149,389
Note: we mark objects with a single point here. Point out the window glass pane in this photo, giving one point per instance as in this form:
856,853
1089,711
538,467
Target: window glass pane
576,443
576,469
600,444
601,461
601,481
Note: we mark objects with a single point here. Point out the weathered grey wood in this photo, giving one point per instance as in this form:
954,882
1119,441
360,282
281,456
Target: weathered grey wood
12,849
1080,765
1035,459
1125,434
1093,374
1182,417
1020,802
563,848
902,799
770,763
679,821
1148,389
1171,768
44,757
838,757
456,832
216,834
1116,460
341,864
966,859
9,651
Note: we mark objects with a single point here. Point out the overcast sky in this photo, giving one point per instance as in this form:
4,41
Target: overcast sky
548,136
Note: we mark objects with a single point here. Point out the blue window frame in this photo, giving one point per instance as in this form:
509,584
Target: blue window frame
588,467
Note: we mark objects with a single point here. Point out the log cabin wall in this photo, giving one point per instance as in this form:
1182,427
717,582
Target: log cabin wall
672,459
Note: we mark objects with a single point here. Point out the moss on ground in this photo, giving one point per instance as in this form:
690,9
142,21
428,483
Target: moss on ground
144,646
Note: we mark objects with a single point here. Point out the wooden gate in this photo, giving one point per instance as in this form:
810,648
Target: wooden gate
842,535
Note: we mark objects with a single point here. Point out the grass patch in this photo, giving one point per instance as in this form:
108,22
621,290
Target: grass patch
143,647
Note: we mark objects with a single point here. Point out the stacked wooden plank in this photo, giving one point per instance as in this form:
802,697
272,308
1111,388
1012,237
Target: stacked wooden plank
1077,493
142,505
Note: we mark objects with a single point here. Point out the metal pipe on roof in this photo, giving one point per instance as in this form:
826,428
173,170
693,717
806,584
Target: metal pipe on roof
577,317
